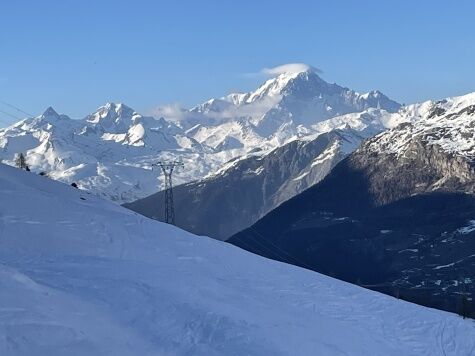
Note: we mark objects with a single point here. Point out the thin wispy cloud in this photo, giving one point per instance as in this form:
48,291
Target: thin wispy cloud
172,112
284,68
289,68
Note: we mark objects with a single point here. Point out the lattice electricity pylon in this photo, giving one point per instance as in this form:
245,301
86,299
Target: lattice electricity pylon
167,169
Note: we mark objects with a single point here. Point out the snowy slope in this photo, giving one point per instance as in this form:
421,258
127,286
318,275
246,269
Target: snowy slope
448,124
82,276
111,151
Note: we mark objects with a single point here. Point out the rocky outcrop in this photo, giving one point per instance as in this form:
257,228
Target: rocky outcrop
422,168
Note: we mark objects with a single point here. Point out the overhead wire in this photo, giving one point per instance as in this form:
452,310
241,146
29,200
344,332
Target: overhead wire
248,246
16,108
281,250
5,121
11,115
16,117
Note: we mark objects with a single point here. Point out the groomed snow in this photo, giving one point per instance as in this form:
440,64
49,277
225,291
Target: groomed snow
82,276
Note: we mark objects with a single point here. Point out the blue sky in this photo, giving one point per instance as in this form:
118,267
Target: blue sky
77,55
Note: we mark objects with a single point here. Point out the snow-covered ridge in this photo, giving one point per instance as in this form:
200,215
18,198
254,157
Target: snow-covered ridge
448,124
111,151
87,277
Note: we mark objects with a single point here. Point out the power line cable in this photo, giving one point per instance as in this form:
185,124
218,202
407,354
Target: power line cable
299,261
264,248
5,121
16,108
11,115
285,251
248,246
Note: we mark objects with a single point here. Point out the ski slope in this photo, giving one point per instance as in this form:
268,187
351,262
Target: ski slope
83,276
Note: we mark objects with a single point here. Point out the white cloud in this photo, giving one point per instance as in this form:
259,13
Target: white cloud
172,112
175,112
254,109
289,68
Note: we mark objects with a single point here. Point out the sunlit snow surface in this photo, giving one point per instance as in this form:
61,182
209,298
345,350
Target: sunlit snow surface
448,124
82,276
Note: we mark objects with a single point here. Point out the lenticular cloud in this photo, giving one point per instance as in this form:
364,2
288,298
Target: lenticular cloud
289,68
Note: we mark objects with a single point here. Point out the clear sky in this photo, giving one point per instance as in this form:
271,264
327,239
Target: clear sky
78,54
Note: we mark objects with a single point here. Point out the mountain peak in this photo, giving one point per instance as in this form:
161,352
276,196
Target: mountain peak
111,112
50,113
119,108
288,78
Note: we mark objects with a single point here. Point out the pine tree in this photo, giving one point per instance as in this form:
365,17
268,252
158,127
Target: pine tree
20,162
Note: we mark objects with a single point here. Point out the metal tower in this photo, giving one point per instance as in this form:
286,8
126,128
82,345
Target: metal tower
167,169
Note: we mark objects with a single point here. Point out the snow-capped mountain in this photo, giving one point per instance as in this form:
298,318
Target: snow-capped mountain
396,215
82,276
285,107
448,124
111,151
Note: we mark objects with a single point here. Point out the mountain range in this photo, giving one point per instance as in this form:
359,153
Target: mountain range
248,187
111,152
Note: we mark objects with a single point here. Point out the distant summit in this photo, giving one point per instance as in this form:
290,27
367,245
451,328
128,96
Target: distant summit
50,113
